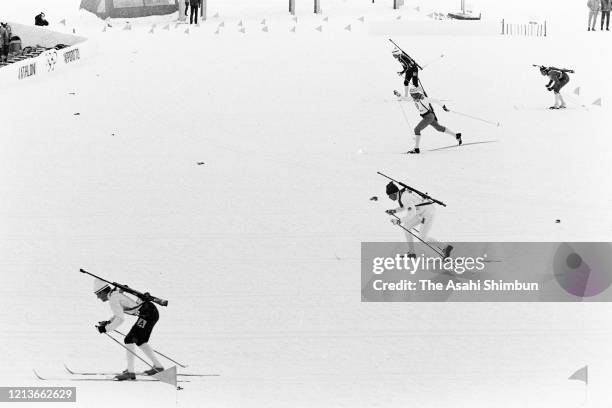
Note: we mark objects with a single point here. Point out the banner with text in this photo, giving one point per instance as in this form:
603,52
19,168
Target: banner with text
486,272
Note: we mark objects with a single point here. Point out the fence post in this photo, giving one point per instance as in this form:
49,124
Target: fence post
317,6
544,28
502,26
292,7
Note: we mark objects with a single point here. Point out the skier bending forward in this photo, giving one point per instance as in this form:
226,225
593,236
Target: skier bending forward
139,333
423,104
417,214
558,79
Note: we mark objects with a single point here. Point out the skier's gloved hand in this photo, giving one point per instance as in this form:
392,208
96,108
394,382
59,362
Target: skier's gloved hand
390,212
445,108
396,221
102,326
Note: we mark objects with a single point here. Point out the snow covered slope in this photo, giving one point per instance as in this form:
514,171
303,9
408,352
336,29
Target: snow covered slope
257,249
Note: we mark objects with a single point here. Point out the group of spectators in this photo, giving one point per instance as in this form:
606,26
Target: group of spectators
595,7
194,5
10,43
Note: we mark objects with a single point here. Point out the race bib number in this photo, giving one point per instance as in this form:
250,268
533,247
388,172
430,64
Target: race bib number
141,323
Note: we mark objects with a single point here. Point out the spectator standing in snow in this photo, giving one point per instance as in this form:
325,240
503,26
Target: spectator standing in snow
5,40
594,6
606,6
193,17
39,20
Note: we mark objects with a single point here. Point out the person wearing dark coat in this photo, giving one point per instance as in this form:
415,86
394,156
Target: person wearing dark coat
195,4
39,20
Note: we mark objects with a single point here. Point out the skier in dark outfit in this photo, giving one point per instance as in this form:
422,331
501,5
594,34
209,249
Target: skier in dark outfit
140,332
410,71
558,79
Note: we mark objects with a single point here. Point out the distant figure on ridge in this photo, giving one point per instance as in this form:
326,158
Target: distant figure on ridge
39,20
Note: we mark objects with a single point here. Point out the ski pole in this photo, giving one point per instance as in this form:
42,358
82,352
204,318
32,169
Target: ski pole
435,249
430,63
498,124
130,351
399,102
158,353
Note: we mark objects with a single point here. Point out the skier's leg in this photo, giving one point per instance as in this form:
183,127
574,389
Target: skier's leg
561,100
446,130
408,225
427,119
150,353
129,353
428,219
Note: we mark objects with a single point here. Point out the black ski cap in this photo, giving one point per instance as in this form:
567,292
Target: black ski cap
392,188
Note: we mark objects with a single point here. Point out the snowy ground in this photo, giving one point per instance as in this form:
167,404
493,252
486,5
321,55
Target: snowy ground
258,249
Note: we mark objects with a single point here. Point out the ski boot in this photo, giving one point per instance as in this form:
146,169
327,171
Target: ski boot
458,137
154,370
125,376
416,150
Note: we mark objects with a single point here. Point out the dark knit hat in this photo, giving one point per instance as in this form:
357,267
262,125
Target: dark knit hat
392,188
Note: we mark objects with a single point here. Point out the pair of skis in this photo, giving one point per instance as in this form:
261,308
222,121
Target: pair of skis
109,376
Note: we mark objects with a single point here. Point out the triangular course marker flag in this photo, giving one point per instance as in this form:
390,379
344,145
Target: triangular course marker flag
326,19
577,91
362,19
581,375
293,30
216,15
63,22
265,29
242,30
348,28
187,31
222,24
263,22
240,23
597,102
152,30
217,32
398,17
319,28
417,8
167,376
167,27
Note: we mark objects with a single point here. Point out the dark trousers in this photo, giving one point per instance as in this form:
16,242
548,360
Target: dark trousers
194,15
605,15
429,119
186,8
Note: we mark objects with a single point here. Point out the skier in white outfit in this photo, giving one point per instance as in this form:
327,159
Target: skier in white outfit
415,212
140,332
429,118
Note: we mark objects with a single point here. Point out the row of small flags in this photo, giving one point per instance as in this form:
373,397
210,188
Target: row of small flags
596,102
241,26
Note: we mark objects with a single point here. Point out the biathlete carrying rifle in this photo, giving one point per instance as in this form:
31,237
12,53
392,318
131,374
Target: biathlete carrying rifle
147,313
415,209
428,116
558,78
